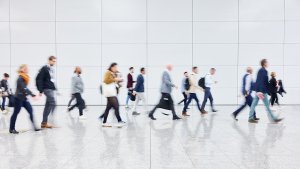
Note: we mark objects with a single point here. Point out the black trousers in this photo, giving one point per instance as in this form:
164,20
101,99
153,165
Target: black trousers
80,103
71,100
274,99
248,101
184,100
166,102
17,108
112,102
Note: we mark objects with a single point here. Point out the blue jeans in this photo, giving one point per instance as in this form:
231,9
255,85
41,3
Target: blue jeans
3,103
18,105
207,95
191,97
267,105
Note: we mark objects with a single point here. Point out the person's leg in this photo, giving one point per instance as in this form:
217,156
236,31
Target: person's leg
108,107
272,99
211,100
127,98
249,100
252,109
197,102
137,100
71,100
276,99
237,112
115,104
206,94
17,108
143,99
192,95
79,103
28,108
171,102
267,105
49,107
3,103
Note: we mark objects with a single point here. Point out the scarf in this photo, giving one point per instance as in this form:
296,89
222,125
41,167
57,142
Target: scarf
25,77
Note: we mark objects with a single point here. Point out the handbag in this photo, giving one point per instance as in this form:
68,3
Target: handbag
109,90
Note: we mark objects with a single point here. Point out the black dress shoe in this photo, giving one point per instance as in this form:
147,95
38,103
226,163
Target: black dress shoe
13,131
278,120
252,121
176,118
256,119
36,129
151,117
214,110
234,117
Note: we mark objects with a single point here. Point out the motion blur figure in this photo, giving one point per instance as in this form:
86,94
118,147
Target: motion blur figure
273,89
184,88
5,91
209,81
261,88
139,91
130,83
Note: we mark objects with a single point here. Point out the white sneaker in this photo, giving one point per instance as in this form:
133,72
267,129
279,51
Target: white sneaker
82,117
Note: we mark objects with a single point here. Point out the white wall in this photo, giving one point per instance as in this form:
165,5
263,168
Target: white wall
226,34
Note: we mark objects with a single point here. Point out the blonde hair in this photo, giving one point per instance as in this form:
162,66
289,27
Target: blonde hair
21,67
273,74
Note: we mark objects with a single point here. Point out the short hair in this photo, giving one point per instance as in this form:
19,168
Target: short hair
263,62
142,69
195,67
131,68
212,68
51,58
273,74
6,75
185,72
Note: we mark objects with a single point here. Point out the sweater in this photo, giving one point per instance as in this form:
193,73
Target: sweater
77,84
130,81
45,79
167,84
22,91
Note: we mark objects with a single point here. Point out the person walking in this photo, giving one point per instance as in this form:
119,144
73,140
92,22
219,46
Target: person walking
207,91
247,88
139,91
193,91
166,101
261,88
21,99
130,83
273,89
110,82
45,82
184,88
6,91
77,90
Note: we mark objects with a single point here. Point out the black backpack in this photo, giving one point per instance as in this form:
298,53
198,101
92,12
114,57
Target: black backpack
38,77
187,84
201,82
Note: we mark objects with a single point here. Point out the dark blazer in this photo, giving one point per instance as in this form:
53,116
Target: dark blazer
22,91
262,81
4,84
130,81
139,87
273,86
44,81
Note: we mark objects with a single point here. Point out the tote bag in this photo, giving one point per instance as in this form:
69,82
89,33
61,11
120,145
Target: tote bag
109,90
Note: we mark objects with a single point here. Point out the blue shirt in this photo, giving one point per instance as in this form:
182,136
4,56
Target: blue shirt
262,81
139,87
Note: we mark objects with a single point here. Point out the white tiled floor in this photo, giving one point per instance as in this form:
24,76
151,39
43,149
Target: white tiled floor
213,141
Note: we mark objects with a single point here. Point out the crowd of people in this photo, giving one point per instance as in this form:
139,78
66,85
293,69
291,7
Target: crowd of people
112,83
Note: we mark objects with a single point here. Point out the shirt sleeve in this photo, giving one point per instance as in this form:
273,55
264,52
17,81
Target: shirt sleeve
248,83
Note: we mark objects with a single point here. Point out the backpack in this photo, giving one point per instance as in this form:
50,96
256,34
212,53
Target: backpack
201,82
187,84
38,78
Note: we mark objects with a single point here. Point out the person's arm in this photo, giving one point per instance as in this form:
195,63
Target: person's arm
23,87
248,84
166,79
138,83
40,81
109,78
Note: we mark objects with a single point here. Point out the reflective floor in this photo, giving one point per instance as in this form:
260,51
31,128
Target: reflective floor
213,141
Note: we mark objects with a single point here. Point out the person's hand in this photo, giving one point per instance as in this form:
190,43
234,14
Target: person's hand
260,95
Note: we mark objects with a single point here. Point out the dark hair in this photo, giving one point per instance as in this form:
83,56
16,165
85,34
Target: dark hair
185,72
263,62
195,67
131,68
142,69
212,68
51,58
6,75
112,65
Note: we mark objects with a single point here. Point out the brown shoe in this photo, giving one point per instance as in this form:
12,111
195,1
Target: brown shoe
46,126
185,114
203,112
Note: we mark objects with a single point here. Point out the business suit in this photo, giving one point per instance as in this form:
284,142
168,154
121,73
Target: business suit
139,91
273,89
166,101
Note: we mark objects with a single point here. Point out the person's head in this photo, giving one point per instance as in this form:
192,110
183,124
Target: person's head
273,74
78,70
212,71
113,67
169,67
52,60
264,63
195,69
23,69
249,70
131,69
6,76
186,74
143,70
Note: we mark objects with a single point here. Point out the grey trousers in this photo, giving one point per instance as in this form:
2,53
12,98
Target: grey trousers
50,104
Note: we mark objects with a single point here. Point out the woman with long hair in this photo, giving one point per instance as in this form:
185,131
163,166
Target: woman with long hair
21,99
110,90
